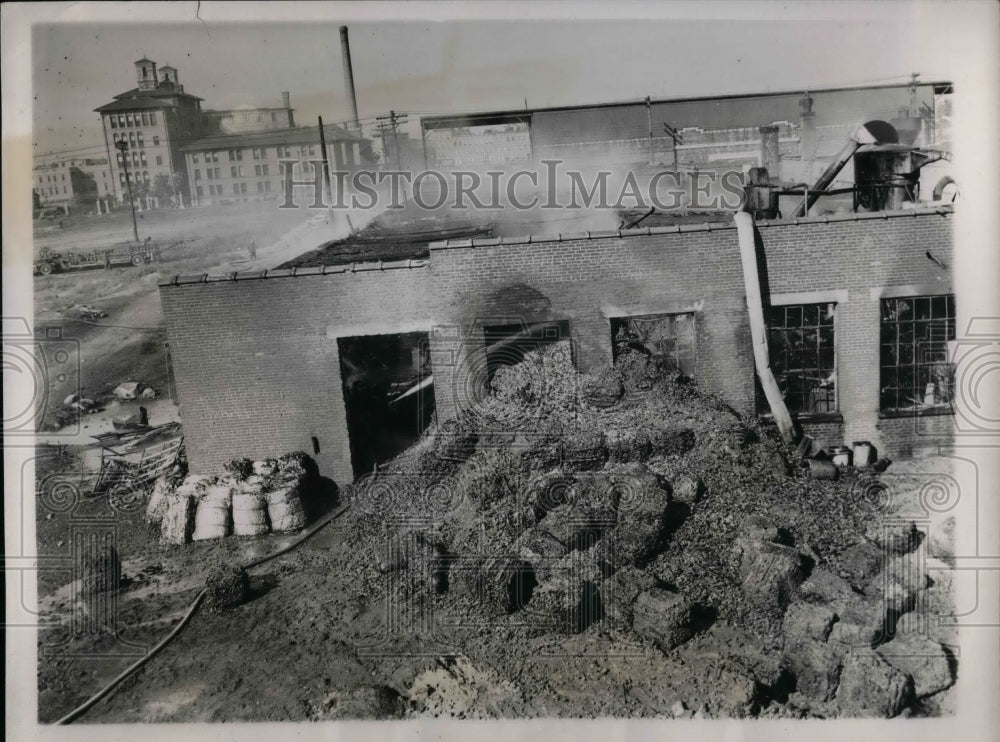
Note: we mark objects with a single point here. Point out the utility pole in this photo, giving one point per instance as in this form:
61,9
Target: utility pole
380,129
122,146
649,120
677,139
394,119
326,161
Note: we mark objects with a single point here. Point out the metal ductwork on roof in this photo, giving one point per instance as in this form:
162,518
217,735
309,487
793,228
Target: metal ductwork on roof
873,132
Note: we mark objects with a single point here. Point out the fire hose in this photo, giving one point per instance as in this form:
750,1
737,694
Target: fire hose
106,690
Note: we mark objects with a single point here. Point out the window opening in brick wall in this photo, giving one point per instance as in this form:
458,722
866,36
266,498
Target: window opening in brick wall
669,339
801,347
508,344
387,394
916,375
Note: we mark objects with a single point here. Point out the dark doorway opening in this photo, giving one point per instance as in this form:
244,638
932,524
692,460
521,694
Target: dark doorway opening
388,393
508,344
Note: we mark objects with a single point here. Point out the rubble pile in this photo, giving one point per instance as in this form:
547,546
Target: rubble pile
628,501
251,499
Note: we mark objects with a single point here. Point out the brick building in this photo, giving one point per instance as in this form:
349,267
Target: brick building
247,166
153,119
157,119
61,180
859,318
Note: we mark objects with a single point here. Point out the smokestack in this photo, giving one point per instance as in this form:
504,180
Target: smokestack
345,51
286,99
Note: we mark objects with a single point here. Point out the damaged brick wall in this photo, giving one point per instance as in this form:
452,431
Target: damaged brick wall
258,372
257,365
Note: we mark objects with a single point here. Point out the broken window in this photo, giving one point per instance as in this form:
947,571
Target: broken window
388,394
916,375
667,338
508,344
800,341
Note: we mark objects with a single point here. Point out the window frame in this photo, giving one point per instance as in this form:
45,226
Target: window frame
796,322
909,330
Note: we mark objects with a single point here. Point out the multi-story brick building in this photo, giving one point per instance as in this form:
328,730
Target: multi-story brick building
154,119
247,166
157,119
61,180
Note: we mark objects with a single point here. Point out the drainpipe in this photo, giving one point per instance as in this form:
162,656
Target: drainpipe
758,330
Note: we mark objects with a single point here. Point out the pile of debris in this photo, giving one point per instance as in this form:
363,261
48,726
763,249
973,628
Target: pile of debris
627,500
252,499
83,311
132,390
77,405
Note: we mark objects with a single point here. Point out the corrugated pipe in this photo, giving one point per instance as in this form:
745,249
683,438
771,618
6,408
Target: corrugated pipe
758,330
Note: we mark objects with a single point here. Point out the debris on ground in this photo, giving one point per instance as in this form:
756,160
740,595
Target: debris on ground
131,390
607,544
226,587
73,408
628,498
84,311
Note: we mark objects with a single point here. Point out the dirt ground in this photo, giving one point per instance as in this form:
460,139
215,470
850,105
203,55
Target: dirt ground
129,344
315,643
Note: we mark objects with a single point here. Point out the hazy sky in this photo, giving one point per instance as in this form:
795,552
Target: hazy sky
433,67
